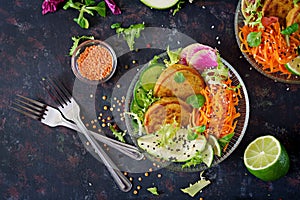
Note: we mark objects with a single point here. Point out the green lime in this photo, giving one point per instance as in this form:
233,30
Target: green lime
266,158
215,144
294,66
208,155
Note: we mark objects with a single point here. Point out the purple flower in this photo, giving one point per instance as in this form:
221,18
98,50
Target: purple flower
113,7
50,6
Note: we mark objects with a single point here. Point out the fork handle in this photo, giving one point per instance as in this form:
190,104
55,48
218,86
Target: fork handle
126,149
123,183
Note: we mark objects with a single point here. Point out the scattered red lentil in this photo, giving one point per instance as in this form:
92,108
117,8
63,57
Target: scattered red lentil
95,63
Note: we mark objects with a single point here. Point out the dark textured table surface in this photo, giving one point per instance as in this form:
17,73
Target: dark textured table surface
38,162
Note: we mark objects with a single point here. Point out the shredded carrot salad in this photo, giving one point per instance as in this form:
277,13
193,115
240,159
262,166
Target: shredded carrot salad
219,112
273,52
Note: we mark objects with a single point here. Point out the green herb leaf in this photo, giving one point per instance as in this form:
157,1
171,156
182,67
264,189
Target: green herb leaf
225,140
192,135
82,22
86,6
115,25
254,39
130,33
296,1
76,41
153,190
290,29
100,9
179,77
118,135
199,129
196,100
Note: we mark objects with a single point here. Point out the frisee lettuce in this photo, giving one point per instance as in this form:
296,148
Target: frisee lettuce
168,131
119,135
130,33
174,56
76,41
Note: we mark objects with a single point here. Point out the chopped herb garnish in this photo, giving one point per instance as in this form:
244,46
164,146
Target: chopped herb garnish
179,77
254,39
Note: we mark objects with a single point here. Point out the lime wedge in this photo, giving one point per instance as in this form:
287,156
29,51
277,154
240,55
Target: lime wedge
215,144
159,4
294,66
208,155
266,158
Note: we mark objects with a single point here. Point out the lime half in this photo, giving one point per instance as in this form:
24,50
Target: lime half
266,158
294,66
159,4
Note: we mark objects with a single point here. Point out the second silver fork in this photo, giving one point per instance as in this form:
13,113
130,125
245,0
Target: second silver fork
52,117
71,110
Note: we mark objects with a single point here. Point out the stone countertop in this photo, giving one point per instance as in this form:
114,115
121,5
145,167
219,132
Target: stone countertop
39,162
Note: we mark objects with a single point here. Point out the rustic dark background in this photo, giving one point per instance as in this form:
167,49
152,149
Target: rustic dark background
38,162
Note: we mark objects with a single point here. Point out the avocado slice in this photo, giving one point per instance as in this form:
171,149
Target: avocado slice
180,149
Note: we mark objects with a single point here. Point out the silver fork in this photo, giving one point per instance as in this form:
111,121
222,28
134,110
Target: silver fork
71,110
52,117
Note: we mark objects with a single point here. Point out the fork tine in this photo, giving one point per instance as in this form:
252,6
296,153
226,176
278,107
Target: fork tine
25,113
56,93
37,103
38,115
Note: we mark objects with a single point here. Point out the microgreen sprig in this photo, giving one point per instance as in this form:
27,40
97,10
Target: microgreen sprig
86,6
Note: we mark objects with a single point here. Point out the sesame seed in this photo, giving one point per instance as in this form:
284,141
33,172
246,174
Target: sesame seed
135,192
140,179
146,174
104,97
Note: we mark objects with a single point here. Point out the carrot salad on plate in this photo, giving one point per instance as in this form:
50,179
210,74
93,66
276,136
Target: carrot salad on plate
271,34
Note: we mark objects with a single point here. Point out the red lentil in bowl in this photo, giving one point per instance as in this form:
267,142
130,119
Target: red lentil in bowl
94,62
